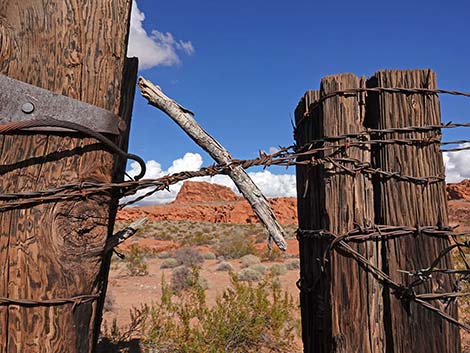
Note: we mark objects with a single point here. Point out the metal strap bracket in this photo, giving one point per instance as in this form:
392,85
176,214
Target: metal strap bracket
20,101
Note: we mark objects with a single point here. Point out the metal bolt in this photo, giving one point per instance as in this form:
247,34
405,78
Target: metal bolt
27,108
122,126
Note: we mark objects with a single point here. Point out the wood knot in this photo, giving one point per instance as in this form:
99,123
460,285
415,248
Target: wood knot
80,228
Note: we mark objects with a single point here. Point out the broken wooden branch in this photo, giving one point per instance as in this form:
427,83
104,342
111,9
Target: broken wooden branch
125,234
184,118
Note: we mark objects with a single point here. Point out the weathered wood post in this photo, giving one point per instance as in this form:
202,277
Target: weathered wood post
335,298
50,251
348,305
410,327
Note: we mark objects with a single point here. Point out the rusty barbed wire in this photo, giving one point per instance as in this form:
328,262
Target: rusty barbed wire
292,155
385,233
381,232
404,142
119,190
355,91
286,156
373,131
457,149
75,301
428,91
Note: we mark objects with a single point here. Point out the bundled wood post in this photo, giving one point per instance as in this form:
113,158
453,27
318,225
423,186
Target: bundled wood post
373,217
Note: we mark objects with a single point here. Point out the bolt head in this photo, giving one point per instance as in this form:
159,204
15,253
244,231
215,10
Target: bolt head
27,108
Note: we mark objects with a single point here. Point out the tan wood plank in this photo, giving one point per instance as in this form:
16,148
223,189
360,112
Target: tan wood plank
410,327
343,294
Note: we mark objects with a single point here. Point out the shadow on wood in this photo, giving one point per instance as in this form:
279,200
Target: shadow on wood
132,346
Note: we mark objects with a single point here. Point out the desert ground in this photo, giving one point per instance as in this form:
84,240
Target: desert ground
212,228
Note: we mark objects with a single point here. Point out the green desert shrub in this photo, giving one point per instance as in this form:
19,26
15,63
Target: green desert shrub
135,261
278,269
209,255
170,263
224,266
163,235
250,275
259,268
183,278
188,257
245,319
234,246
249,260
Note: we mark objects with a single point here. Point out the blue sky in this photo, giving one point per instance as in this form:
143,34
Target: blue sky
242,66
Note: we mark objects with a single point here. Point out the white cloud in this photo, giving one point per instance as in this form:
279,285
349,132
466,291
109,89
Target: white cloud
272,185
189,162
275,185
457,164
156,48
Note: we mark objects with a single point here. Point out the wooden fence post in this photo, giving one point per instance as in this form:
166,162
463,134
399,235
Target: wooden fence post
410,327
344,307
76,48
341,304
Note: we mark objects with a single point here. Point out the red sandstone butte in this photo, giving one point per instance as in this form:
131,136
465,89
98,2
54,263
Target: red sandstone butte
198,192
459,191
206,202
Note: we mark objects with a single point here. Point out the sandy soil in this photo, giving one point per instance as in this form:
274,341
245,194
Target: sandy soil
127,291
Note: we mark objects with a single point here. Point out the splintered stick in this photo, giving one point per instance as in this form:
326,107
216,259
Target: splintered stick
125,234
184,118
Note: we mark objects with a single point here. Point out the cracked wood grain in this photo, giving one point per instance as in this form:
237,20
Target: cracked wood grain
409,326
75,48
337,296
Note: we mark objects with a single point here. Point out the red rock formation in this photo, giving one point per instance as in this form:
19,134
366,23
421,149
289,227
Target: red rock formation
459,191
204,202
199,192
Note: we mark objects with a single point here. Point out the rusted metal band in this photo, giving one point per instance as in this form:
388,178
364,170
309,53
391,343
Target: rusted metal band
50,123
20,101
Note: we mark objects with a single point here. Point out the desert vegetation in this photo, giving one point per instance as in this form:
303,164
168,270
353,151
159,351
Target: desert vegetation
233,240
215,288
244,318
459,216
